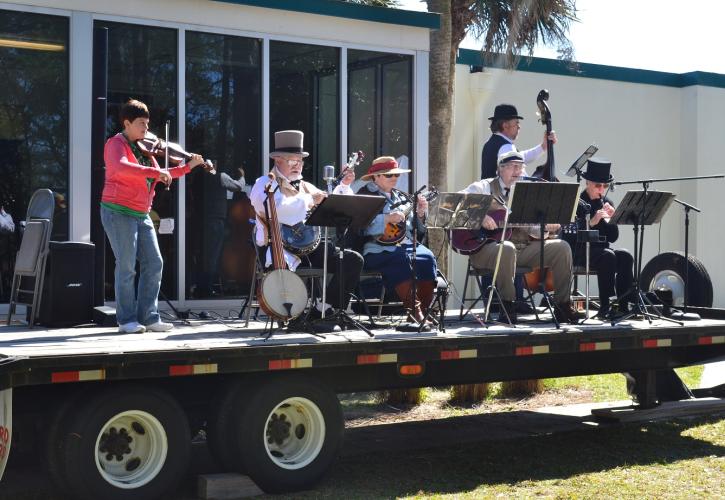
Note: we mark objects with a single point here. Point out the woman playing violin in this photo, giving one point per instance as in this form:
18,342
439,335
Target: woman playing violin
127,196
393,261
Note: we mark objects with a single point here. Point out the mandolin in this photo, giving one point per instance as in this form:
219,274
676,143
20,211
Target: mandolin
395,233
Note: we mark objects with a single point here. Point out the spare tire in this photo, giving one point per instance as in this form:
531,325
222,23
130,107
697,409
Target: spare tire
667,270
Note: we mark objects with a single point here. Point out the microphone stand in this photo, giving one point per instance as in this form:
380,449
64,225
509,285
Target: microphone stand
685,315
324,260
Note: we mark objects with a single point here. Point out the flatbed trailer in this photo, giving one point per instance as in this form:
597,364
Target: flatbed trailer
113,416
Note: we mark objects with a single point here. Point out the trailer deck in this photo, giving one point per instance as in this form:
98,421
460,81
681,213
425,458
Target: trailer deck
40,356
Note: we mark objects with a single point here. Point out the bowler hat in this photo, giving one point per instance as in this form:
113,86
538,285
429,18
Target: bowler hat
598,170
505,112
288,142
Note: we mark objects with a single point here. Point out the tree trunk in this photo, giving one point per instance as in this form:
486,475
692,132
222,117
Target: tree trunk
469,393
441,82
402,396
518,388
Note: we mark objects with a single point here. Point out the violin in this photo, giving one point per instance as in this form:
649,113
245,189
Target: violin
154,147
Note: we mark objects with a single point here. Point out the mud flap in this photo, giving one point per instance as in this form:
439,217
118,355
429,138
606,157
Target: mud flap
6,427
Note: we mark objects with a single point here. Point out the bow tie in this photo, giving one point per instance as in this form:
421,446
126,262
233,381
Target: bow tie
296,184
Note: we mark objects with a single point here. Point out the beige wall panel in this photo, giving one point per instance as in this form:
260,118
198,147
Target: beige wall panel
647,131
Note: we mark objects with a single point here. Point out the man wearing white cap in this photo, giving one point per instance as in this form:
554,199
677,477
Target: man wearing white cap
520,247
294,198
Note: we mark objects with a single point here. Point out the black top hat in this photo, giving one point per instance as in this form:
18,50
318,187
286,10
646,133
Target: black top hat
598,170
505,112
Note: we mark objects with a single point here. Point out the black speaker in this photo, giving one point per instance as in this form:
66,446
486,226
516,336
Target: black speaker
68,286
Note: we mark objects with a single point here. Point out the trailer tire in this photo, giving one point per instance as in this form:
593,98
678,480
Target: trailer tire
288,431
127,443
222,421
668,269
54,463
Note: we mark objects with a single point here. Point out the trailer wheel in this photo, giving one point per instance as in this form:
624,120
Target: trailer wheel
127,443
288,432
667,270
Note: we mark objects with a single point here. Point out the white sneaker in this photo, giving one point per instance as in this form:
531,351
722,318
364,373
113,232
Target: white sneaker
132,327
159,326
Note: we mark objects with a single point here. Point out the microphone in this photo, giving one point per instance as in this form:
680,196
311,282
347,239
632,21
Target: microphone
328,176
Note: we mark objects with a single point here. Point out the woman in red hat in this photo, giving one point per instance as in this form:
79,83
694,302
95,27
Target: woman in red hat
394,261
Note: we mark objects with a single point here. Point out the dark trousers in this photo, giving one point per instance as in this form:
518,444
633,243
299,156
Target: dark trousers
352,263
614,271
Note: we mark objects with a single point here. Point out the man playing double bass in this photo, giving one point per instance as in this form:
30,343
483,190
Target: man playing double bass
293,200
505,129
521,248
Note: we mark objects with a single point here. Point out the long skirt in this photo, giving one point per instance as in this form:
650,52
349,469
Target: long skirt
396,265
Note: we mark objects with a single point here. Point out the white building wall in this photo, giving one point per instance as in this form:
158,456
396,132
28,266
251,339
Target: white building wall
647,131
274,22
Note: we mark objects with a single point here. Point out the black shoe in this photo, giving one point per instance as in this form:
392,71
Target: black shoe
316,314
510,308
604,313
565,313
523,307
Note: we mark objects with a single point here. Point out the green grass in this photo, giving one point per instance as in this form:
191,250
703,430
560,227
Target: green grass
613,387
678,459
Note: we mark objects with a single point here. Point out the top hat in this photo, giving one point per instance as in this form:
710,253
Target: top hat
383,165
598,170
505,112
288,142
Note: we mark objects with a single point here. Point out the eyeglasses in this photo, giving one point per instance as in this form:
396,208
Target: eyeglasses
515,165
388,176
599,185
293,161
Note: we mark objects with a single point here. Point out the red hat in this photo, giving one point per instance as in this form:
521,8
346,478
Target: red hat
383,165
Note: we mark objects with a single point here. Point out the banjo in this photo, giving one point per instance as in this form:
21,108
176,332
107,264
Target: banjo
282,294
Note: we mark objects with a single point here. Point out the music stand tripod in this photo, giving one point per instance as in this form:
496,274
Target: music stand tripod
543,203
451,211
640,209
344,213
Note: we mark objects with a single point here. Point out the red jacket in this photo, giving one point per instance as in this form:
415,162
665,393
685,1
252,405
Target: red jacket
126,179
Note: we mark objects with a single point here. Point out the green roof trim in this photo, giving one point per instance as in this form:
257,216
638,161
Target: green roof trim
338,8
586,70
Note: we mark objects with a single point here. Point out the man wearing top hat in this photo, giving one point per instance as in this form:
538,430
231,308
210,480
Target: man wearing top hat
521,248
614,267
505,128
294,198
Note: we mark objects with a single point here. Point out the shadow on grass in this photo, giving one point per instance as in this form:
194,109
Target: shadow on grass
502,458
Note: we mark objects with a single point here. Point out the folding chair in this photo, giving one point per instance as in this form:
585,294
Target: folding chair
478,275
578,296
31,258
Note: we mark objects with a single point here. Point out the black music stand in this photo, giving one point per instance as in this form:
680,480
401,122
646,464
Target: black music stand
543,203
457,211
344,212
640,209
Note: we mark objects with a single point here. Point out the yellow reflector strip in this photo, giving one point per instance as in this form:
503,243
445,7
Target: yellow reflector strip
91,375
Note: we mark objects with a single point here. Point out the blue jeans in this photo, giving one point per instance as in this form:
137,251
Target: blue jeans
133,239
